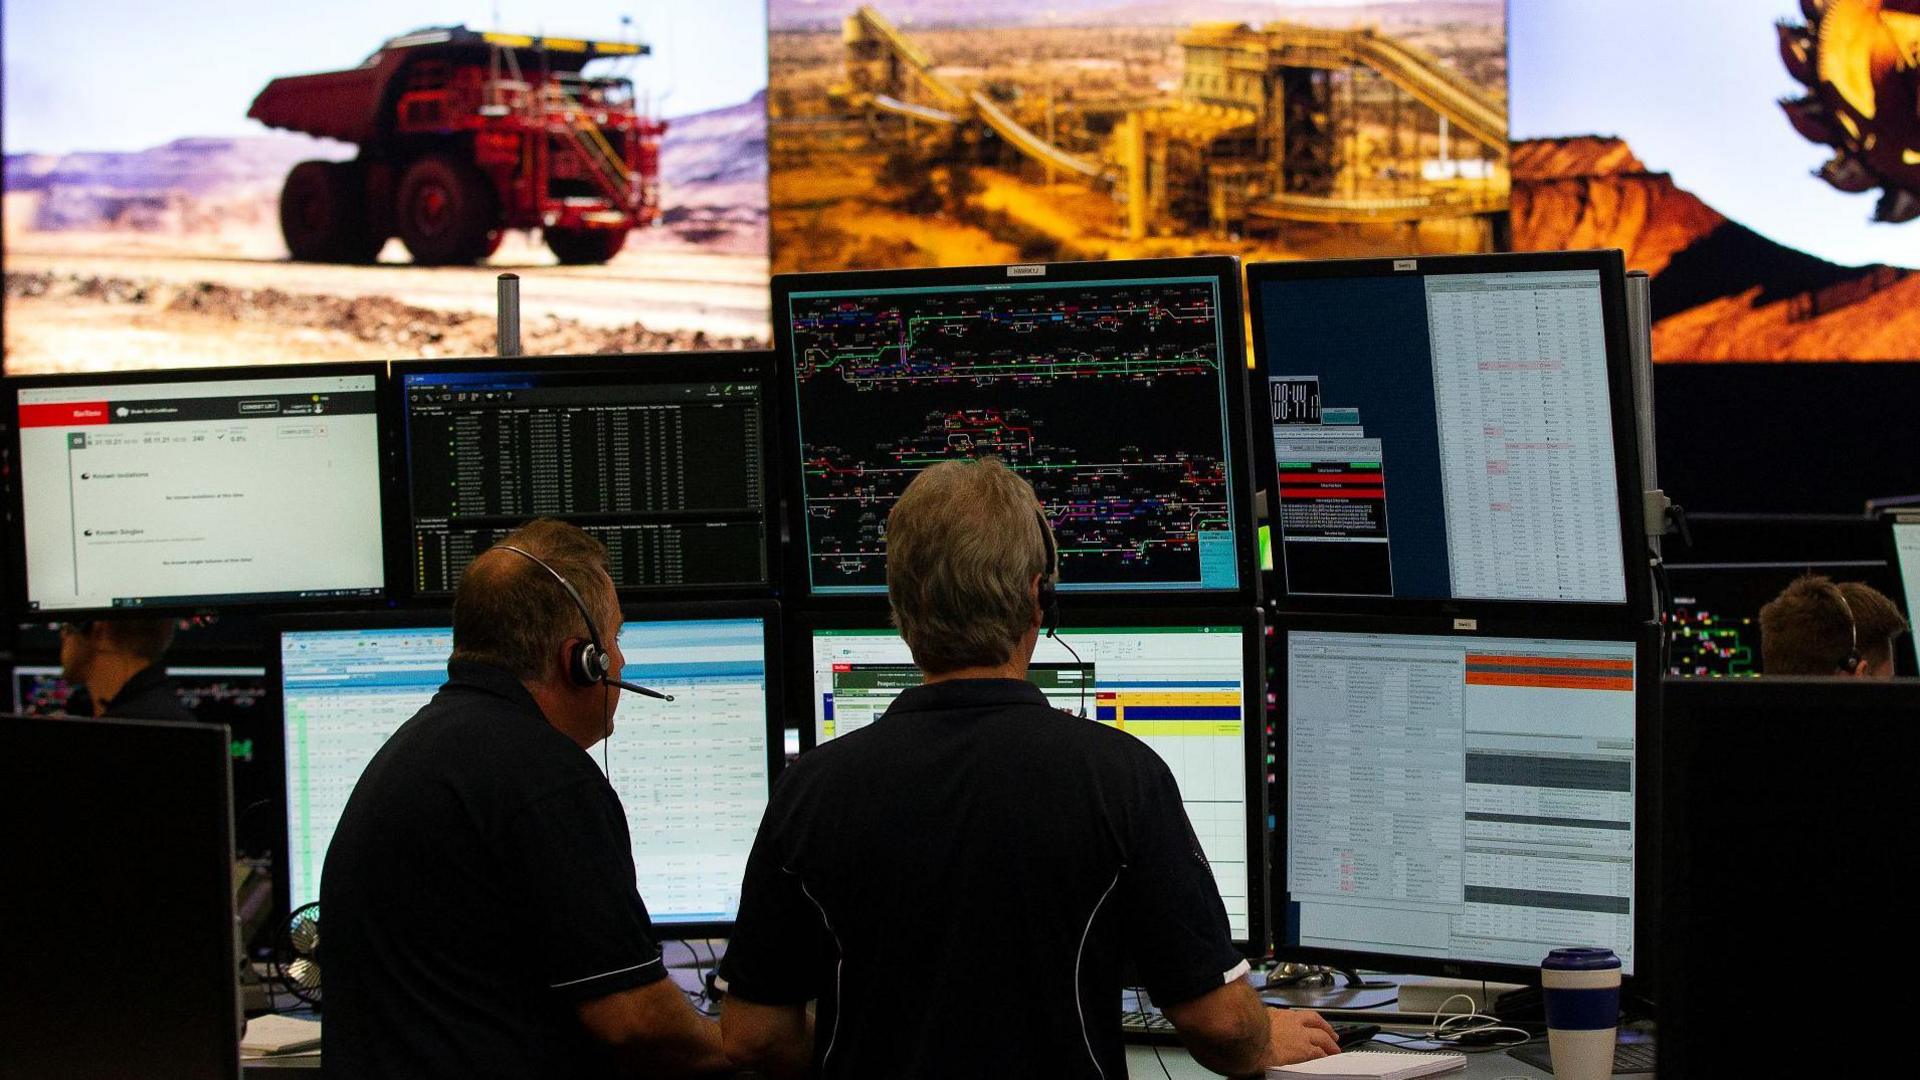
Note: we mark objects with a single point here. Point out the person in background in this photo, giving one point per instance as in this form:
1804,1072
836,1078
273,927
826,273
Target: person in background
963,885
116,668
482,915
1817,627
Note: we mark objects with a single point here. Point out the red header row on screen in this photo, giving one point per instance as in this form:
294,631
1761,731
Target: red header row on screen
64,414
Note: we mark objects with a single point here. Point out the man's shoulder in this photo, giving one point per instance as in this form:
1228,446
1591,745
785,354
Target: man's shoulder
461,733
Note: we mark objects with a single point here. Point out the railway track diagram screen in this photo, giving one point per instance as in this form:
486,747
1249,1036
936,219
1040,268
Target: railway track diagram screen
1109,397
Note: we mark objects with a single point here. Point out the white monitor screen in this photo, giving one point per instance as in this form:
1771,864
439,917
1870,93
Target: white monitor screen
1179,689
692,773
1460,799
1906,545
1443,435
189,493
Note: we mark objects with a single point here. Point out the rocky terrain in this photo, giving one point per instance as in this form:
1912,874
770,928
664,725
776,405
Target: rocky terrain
1721,291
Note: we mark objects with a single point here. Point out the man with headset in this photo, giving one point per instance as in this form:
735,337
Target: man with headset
1817,627
961,884
481,914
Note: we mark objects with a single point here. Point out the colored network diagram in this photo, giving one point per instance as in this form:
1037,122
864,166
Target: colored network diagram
1109,398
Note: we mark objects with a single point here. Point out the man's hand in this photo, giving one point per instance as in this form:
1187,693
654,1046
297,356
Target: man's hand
1296,1035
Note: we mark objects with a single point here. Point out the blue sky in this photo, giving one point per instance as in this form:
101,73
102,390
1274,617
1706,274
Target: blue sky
1692,86
129,74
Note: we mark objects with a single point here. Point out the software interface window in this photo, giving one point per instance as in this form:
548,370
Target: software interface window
1444,436
1109,397
1180,690
1461,799
200,492
668,475
691,774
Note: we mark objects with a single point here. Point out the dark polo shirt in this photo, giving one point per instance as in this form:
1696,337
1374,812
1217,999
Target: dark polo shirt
960,884
479,886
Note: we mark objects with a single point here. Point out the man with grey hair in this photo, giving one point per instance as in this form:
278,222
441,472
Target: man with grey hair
481,912
960,885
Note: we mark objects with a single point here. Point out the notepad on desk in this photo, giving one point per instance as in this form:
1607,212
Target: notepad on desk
1373,1065
279,1035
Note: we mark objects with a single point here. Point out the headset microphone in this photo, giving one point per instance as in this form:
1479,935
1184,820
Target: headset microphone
636,688
590,662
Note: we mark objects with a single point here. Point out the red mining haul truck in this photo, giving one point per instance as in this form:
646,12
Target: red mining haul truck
464,134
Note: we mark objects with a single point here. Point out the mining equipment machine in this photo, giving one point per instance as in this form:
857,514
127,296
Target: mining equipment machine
1860,61
464,134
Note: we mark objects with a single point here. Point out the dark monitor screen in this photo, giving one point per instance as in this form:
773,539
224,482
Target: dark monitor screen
210,487
693,774
662,458
1458,802
124,877
234,696
1189,690
1762,776
1446,428
1115,389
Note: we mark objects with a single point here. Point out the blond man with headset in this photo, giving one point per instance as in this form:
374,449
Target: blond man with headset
964,885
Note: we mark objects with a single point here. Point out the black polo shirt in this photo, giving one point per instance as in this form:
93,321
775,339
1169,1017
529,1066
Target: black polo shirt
479,886
149,695
960,883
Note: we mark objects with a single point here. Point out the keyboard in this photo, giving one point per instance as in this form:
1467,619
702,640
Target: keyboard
1628,1057
1153,1027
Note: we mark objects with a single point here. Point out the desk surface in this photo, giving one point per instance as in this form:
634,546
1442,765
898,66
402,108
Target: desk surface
1175,1063
1172,1063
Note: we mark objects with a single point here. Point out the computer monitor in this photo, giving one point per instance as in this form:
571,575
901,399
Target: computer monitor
236,697
693,774
1455,428
1190,690
120,873
1786,816
1116,389
1906,555
1458,803
1713,608
660,457
190,489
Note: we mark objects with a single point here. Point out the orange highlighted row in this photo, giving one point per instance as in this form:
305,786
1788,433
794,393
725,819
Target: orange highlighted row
1474,659
1556,682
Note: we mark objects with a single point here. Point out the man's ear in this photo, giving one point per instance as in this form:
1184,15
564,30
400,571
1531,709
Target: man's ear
1033,596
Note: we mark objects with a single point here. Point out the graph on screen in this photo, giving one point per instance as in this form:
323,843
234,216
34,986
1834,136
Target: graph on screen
1110,398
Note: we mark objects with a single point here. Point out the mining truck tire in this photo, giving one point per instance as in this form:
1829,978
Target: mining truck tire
323,214
583,247
446,212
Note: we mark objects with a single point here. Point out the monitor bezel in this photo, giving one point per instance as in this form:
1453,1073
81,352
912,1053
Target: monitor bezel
1906,659
1648,679
1241,477
741,365
1637,602
1252,629
413,618
16,585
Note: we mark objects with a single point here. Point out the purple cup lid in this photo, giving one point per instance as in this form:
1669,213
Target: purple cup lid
1585,958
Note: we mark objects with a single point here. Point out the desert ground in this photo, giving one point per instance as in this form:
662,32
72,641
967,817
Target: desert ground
111,300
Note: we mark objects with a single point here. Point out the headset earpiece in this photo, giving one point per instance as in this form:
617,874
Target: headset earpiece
1850,665
590,666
